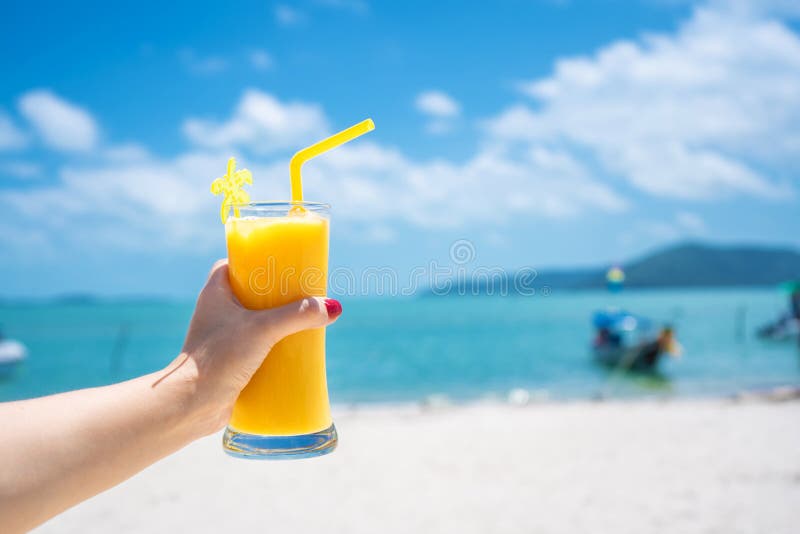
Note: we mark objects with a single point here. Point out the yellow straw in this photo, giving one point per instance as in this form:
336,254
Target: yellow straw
296,164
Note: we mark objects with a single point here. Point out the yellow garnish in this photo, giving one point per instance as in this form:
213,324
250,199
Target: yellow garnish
230,185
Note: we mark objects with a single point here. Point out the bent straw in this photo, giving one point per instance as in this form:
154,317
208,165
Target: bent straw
296,164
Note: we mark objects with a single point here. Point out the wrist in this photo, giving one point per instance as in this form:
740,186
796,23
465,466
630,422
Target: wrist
197,411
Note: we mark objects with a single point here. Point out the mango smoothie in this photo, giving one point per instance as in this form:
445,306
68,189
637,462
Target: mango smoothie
275,257
278,253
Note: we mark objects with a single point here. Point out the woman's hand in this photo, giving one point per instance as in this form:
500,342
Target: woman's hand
226,344
65,448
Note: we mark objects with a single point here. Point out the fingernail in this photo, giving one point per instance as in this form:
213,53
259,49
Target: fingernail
334,308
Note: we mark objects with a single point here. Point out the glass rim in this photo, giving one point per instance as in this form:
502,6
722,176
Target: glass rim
280,203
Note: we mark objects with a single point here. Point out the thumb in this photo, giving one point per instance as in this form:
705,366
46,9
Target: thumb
303,314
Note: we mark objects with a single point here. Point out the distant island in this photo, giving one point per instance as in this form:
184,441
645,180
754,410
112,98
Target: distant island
86,299
684,265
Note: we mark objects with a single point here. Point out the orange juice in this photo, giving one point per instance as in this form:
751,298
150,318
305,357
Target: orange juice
274,260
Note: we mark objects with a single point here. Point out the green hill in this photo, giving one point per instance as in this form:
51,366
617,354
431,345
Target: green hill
701,265
683,265
692,265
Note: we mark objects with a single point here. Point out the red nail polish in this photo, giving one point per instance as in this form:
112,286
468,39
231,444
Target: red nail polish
334,308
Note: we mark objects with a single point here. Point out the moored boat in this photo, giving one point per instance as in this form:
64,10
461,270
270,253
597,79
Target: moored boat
630,342
784,329
12,354
787,326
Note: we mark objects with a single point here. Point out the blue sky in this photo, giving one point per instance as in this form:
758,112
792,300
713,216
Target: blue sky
549,133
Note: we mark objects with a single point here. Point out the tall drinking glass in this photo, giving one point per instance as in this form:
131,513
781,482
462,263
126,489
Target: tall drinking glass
278,253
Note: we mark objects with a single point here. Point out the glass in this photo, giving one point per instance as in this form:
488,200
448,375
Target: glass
278,253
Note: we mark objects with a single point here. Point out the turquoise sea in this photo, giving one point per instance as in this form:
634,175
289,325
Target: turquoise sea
408,349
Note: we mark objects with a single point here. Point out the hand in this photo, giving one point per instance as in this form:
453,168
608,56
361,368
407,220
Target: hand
226,344
67,447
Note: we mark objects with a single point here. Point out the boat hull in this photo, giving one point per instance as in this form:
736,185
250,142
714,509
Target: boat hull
644,357
12,354
781,330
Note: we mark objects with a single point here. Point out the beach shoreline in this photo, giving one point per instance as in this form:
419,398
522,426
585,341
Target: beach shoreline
675,465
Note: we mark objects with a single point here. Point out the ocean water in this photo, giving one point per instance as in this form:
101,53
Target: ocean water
409,349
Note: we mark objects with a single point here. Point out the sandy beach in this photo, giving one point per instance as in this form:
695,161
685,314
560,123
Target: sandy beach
678,466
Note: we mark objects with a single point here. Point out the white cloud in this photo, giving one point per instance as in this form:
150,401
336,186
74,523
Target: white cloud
691,222
749,8
11,137
684,225
439,126
61,124
23,170
262,123
147,204
261,60
711,110
441,108
356,6
288,16
166,203
437,104
204,66
369,182
126,152
378,233
654,230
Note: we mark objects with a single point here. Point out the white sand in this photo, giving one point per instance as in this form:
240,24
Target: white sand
683,466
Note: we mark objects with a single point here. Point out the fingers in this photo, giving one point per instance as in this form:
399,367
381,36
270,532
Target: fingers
218,280
311,312
277,323
218,286
219,269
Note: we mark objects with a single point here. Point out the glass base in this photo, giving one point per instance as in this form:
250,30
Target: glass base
259,447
